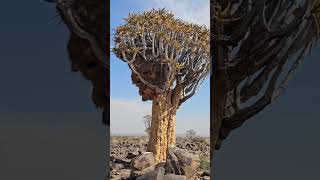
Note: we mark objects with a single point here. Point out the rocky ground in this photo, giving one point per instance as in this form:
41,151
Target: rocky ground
126,152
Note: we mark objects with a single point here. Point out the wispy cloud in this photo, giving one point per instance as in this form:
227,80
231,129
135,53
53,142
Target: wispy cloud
126,115
195,11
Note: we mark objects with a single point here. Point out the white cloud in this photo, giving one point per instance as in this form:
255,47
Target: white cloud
126,116
195,11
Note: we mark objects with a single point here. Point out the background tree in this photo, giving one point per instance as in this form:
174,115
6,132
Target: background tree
147,122
257,46
191,134
169,59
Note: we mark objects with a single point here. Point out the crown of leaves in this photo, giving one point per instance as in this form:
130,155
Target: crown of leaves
162,24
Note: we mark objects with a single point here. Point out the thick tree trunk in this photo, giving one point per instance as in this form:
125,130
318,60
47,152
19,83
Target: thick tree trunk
163,127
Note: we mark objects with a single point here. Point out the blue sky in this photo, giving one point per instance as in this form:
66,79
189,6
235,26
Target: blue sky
127,108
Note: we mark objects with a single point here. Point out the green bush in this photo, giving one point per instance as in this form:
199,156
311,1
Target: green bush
204,162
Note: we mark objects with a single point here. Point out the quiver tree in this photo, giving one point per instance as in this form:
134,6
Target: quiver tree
87,45
169,59
87,48
257,46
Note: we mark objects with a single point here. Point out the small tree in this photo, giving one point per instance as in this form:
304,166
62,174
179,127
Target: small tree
169,59
147,122
191,134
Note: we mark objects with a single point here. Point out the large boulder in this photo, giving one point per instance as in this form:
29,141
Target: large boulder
174,177
181,162
125,173
157,174
138,173
143,161
142,164
133,154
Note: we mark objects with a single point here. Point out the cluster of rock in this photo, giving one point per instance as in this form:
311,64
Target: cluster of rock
129,160
195,145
